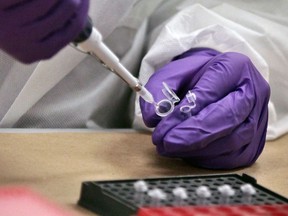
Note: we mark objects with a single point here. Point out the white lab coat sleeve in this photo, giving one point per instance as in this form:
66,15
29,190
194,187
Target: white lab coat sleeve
197,26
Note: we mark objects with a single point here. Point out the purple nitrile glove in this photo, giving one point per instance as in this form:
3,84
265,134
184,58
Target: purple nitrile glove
37,29
227,128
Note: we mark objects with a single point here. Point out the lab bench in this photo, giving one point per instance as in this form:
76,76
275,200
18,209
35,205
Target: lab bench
56,162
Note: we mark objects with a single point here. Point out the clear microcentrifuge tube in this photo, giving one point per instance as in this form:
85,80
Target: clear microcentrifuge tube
166,106
186,109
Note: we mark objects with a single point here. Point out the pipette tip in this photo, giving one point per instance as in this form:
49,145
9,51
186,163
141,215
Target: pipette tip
146,95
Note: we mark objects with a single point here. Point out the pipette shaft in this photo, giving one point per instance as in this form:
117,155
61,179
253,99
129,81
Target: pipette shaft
93,44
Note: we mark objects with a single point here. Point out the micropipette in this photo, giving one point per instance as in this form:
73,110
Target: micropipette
90,41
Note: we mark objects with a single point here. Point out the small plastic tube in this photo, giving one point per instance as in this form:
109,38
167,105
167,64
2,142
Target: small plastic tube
203,194
248,191
166,106
156,195
141,188
186,109
191,97
180,195
226,192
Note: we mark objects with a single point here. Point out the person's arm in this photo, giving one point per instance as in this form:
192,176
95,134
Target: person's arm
38,29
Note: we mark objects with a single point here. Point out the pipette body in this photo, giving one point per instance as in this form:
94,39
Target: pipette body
91,42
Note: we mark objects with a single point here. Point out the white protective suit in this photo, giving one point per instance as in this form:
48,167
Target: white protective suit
72,90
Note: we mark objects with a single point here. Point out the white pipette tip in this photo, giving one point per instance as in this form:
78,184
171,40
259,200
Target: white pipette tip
146,95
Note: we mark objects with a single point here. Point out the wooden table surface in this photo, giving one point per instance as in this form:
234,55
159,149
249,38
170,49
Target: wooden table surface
55,163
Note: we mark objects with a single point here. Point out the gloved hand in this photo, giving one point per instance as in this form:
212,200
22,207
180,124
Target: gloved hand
38,29
227,128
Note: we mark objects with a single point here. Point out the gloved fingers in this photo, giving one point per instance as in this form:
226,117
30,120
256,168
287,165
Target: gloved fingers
243,156
211,80
41,28
240,148
5,5
27,11
56,20
47,38
176,74
226,73
233,142
149,116
173,134
262,88
239,158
